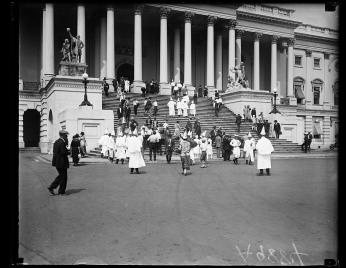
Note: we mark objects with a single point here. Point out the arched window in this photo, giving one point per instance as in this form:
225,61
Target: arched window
336,92
317,89
298,86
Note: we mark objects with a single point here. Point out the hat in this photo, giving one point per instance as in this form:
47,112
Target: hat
249,135
63,132
263,132
113,133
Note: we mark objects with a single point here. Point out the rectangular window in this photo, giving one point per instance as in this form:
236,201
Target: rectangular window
298,60
316,95
317,62
317,128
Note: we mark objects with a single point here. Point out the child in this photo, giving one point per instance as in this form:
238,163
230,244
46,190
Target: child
203,148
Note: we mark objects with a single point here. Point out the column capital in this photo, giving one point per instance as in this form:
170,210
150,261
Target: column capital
275,38
109,7
239,33
188,15
138,9
257,36
291,41
164,12
326,56
308,53
231,24
211,20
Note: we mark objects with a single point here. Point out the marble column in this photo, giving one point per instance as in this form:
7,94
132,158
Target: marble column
308,87
176,55
290,95
49,40
103,48
273,66
81,28
231,47
138,80
110,46
165,88
327,89
210,56
218,61
256,65
43,46
188,54
238,36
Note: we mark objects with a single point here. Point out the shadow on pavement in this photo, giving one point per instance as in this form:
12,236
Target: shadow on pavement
73,191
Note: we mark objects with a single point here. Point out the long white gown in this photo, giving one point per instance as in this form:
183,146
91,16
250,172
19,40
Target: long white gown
249,146
171,105
134,146
236,150
103,142
120,148
264,149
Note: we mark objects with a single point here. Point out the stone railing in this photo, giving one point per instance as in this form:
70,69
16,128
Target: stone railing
265,9
307,28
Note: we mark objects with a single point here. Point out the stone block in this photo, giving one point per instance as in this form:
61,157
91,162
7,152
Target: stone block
72,68
165,89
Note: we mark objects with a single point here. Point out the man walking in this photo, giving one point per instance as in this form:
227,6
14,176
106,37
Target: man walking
218,140
152,140
277,129
60,162
238,122
169,148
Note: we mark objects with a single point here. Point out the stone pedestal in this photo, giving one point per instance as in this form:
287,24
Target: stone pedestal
136,86
72,68
91,122
165,89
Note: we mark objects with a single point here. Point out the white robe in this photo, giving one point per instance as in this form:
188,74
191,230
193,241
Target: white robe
103,142
185,107
249,146
134,146
193,109
120,148
110,147
171,105
209,149
264,149
179,107
236,150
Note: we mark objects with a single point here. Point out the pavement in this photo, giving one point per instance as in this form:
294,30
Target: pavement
220,215
90,159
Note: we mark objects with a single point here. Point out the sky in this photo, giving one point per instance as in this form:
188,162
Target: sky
314,14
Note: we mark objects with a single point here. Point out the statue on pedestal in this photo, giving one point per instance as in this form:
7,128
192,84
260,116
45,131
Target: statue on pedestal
76,47
240,81
66,52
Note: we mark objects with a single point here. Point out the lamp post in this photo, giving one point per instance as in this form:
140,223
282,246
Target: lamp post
275,111
85,82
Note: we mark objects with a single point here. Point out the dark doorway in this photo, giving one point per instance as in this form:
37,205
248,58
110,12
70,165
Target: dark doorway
125,70
31,128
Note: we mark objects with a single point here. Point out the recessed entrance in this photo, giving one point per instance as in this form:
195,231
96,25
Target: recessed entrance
125,70
31,128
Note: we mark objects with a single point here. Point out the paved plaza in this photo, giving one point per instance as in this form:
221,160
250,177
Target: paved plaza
220,215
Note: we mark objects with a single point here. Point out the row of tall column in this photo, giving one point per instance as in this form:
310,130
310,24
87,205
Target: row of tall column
106,62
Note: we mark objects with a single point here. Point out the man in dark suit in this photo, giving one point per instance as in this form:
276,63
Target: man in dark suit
277,128
309,140
213,133
60,162
169,144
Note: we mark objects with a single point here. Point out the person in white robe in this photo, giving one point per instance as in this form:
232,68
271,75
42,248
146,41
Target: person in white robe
103,143
193,109
179,107
209,148
185,107
111,146
249,147
171,105
120,147
197,149
134,145
235,143
264,149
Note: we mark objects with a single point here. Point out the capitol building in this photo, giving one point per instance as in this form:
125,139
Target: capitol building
198,44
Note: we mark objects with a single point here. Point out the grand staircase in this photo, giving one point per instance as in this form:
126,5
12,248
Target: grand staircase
204,110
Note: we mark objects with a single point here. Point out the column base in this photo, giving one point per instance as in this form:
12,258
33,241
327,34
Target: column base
292,100
136,86
190,90
211,91
165,89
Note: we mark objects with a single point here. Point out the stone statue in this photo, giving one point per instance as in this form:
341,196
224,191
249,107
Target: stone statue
76,46
66,52
239,70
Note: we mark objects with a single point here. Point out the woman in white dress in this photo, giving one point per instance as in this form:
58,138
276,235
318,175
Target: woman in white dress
197,149
193,109
134,146
235,143
111,146
120,147
103,142
185,107
171,105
